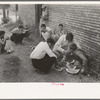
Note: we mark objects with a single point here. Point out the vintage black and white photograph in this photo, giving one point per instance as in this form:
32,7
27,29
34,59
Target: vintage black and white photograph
50,43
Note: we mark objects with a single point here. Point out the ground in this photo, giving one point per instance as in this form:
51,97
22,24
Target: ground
17,66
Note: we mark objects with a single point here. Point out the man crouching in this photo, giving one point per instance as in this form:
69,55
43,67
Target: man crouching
42,56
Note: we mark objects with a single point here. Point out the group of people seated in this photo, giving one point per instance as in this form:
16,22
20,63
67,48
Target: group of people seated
17,35
58,51
46,32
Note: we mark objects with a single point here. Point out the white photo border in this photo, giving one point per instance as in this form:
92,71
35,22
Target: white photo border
48,90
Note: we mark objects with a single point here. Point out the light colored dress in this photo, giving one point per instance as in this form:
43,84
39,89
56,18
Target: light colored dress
9,46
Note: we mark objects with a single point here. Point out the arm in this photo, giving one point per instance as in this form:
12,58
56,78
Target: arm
78,45
50,33
57,46
49,30
49,52
65,56
14,30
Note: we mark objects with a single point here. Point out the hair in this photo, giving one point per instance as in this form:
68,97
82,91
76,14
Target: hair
61,25
50,40
2,33
43,25
69,37
20,26
73,46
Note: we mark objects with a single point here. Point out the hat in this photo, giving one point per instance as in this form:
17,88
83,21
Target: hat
72,68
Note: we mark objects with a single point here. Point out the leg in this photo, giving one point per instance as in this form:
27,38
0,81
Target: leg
20,38
14,38
45,64
3,47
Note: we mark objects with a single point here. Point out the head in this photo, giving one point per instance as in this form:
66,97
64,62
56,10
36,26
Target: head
60,26
2,33
43,27
50,42
21,27
69,37
43,7
72,47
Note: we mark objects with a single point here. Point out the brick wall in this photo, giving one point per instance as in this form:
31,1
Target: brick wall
27,13
83,21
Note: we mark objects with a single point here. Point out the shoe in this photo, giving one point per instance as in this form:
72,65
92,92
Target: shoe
57,68
40,72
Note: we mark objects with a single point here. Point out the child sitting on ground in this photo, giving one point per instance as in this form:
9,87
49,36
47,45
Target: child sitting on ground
8,45
5,45
76,60
2,41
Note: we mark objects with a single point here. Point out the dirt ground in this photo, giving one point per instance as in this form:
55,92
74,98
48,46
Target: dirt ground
17,67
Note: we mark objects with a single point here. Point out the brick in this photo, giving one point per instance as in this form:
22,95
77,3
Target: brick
83,21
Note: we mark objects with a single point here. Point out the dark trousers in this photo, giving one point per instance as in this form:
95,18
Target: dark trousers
20,37
44,64
17,38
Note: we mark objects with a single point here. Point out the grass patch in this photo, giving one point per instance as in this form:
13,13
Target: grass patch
11,66
13,61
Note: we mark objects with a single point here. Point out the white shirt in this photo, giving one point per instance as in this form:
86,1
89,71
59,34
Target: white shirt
41,49
16,30
62,42
59,32
47,34
48,29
